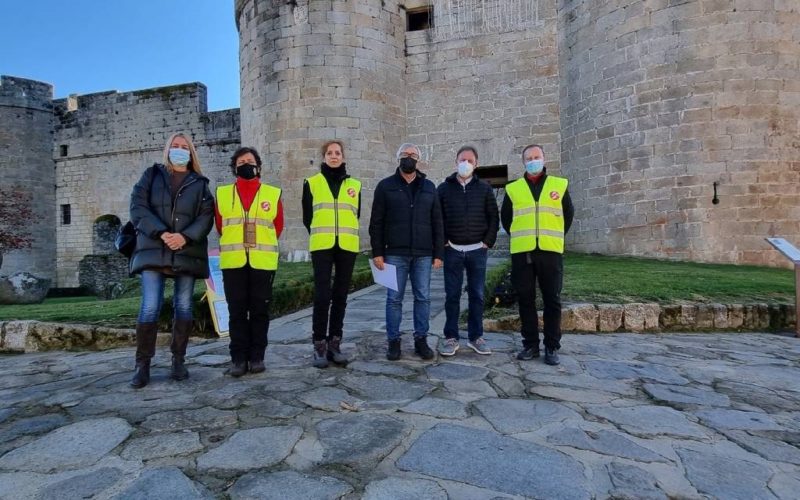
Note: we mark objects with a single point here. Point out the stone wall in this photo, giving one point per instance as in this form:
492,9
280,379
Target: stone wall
27,192
496,91
661,99
103,143
313,71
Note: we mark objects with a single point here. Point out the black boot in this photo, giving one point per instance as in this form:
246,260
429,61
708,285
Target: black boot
334,351
422,349
146,334
180,339
320,354
393,353
551,357
141,377
237,369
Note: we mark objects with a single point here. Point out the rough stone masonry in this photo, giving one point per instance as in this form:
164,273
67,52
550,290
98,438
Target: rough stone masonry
644,105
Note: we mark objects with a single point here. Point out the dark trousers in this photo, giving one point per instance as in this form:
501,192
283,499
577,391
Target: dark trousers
546,268
455,263
330,300
248,292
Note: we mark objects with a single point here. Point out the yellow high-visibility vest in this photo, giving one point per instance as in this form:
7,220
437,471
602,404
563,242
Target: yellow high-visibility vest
232,251
334,218
537,225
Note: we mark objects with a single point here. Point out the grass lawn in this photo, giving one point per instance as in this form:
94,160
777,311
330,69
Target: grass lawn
293,280
596,278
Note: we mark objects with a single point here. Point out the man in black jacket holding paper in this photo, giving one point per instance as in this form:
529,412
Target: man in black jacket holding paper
406,231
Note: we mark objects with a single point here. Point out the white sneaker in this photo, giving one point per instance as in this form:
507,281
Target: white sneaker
479,345
449,347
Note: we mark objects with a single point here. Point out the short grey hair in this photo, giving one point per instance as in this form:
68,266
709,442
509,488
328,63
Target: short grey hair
405,146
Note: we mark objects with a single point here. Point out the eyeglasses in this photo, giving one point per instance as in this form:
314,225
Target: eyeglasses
410,155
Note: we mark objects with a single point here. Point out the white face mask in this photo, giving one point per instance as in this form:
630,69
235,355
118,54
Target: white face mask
465,169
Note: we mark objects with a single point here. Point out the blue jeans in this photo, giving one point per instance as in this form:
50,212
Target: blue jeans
153,296
419,269
455,262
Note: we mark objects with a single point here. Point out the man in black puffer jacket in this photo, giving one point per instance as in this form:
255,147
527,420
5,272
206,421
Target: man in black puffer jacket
406,231
470,217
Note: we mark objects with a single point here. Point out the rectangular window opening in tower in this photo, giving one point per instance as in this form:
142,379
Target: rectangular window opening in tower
419,18
66,215
63,150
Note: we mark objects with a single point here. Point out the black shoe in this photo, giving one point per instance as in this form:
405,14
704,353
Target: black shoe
551,357
334,353
257,366
142,375
528,353
237,369
393,353
179,371
422,349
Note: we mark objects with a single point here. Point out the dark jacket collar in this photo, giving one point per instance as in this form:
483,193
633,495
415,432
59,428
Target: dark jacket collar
334,173
191,176
454,178
420,176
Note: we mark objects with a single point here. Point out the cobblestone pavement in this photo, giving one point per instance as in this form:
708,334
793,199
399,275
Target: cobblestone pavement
624,416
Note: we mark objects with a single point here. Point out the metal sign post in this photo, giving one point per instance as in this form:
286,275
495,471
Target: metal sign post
793,254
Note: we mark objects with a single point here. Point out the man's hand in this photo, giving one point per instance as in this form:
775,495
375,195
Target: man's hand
378,262
485,246
437,263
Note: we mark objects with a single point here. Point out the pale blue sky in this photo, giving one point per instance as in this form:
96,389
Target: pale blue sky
84,46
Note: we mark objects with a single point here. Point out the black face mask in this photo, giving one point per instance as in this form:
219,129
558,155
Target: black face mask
246,171
408,165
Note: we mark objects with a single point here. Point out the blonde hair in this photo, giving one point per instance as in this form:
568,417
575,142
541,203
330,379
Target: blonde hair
194,161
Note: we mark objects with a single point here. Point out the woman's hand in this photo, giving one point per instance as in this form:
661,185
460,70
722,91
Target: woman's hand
175,241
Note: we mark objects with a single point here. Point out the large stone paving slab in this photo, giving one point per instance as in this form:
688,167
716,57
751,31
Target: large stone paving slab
162,445
736,419
70,447
724,476
651,421
437,407
287,485
490,460
164,483
381,390
359,440
395,488
207,417
456,371
82,485
512,416
679,395
605,442
252,449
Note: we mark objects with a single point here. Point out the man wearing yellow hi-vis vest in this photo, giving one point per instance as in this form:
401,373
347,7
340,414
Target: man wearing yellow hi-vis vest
537,212
249,220
331,209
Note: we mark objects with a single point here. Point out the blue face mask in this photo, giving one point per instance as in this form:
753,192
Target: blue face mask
465,169
534,167
178,156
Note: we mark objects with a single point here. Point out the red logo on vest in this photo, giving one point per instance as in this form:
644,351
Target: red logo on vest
351,192
265,206
554,195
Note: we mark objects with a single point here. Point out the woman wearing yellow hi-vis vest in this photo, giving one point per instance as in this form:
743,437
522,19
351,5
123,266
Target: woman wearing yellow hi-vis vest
331,209
249,220
537,212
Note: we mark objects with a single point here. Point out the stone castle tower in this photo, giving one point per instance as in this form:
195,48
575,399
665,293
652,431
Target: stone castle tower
652,108
649,107
27,177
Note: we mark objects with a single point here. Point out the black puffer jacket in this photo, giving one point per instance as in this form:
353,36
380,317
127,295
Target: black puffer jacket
153,213
406,218
469,212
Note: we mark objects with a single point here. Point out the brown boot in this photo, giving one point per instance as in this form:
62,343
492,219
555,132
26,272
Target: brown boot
335,352
145,350
320,354
181,328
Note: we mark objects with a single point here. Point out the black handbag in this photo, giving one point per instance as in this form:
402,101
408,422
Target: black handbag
125,242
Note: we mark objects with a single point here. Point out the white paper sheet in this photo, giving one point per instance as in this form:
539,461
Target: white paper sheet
387,277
